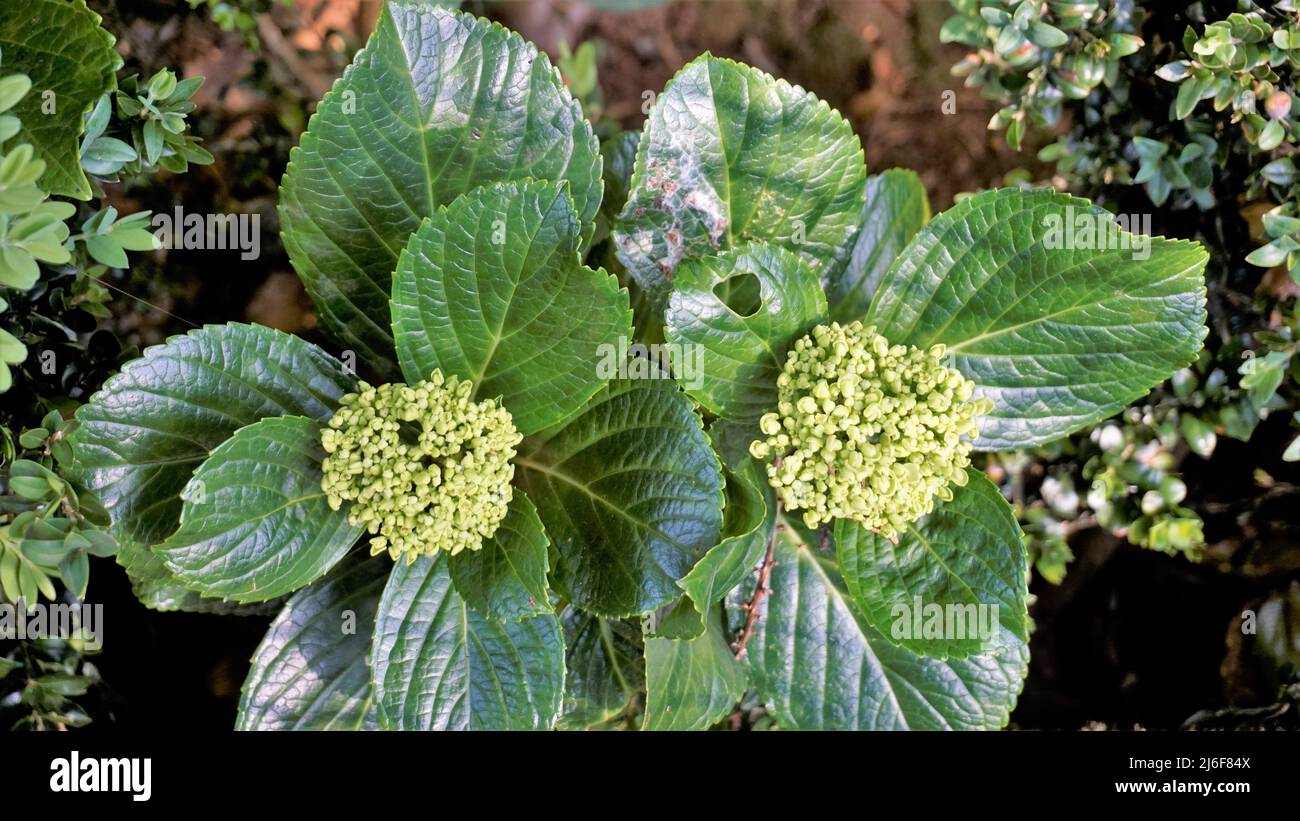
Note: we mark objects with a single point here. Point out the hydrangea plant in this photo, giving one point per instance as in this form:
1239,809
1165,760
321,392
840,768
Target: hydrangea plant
1053,336
575,548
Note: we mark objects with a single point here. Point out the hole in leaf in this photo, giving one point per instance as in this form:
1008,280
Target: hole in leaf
741,293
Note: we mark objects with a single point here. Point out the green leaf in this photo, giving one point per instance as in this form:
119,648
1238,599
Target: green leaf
1266,256
153,141
1149,149
959,29
1201,436
730,154
9,587
1189,94
1122,45
75,572
742,352
1175,72
818,664
966,555
505,580
896,209
1058,334
1046,36
438,665
1280,171
13,87
1277,225
158,588
630,493
162,84
31,488
619,156
97,121
71,62
107,251
33,581
606,669
143,434
692,683
750,514
1261,376
309,672
1272,135
32,439
12,349
255,524
1292,452
64,684
107,154
492,289
436,104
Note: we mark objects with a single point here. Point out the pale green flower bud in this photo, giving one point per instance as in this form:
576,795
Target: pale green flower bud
866,430
422,467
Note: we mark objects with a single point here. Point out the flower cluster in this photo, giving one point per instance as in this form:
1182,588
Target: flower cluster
866,430
424,467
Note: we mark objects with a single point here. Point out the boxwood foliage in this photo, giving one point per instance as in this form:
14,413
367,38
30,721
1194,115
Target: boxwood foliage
440,209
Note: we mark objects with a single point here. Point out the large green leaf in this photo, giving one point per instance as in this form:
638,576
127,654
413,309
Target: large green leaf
505,579
731,154
817,664
492,289
143,434
630,493
606,669
255,523
70,60
691,683
896,209
310,673
158,588
1058,337
742,352
439,665
966,555
436,104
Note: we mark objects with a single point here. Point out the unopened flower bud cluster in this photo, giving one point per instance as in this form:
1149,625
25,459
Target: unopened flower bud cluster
866,430
424,467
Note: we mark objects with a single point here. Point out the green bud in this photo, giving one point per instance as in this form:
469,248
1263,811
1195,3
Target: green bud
422,467
866,430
